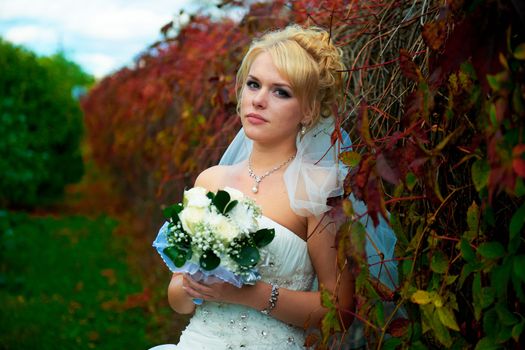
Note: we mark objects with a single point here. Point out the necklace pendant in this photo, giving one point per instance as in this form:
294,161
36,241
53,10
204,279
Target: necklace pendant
258,179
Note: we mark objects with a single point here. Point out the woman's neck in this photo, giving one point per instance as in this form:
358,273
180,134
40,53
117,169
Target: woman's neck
264,157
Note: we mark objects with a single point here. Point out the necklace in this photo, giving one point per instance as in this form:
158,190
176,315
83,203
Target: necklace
258,179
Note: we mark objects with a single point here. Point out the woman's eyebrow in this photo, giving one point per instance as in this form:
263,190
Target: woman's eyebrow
279,84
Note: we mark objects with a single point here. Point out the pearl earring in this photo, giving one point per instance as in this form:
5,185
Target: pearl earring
303,129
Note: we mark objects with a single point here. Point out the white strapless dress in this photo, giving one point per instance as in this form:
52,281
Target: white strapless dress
217,326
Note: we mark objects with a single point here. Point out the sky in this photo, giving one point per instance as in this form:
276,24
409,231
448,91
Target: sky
100,35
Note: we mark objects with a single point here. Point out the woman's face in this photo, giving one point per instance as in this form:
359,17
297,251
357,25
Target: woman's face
270,112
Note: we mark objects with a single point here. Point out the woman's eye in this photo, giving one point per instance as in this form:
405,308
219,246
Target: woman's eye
282,93
252,84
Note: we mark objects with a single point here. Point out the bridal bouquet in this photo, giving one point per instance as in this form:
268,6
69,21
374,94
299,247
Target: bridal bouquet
214,236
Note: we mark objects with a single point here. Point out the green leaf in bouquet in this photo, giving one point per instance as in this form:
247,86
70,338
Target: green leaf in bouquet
263,237
176,255
185,244
221,200
185,250
210,195
209,260
248,256
230,206
172,212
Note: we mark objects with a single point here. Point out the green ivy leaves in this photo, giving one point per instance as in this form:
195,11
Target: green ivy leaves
491,250
437,314
480,174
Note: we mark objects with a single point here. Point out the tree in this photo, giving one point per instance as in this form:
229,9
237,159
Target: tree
40,126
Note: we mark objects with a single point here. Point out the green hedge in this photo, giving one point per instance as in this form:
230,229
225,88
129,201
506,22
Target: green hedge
40,126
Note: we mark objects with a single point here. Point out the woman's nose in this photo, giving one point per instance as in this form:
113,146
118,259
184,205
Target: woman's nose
260,99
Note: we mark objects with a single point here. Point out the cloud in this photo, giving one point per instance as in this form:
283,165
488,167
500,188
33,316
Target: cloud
99,64
101,35
31,33
104,19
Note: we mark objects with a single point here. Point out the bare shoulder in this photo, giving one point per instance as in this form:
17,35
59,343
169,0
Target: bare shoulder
212,178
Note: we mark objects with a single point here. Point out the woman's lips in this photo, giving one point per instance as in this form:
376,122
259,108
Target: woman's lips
255,119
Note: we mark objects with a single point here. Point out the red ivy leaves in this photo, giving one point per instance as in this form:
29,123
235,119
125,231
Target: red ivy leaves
503,164
366,187
387,164
409,69
434,34
518,160
398,327
157,115
359,177
375,200
363,124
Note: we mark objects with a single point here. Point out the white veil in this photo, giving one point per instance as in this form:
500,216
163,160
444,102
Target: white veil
315,175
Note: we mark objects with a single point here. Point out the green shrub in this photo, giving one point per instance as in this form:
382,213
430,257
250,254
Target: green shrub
40,126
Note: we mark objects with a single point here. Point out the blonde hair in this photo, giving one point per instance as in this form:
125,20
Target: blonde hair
308,59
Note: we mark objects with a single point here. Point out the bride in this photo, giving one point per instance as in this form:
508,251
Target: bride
286,86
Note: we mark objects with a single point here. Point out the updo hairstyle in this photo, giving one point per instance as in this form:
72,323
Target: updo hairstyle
308,59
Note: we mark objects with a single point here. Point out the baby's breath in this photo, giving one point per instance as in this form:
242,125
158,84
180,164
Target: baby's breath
202,228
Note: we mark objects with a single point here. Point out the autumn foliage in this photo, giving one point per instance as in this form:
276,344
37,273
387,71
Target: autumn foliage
156,124
435,107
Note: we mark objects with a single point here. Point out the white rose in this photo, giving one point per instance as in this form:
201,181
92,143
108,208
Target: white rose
244,218
222,227
234,193
191,216
196,197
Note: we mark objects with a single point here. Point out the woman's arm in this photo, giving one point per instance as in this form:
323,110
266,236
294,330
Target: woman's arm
299,308
179,300
323,253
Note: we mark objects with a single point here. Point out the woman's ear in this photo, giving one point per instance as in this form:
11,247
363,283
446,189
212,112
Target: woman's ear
307,117
306,121
309,113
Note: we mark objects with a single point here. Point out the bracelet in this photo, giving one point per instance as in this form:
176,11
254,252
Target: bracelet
272,301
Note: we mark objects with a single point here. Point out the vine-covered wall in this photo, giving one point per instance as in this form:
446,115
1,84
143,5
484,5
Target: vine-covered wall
435,107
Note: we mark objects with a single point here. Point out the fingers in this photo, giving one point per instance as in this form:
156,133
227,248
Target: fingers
196,289
193,294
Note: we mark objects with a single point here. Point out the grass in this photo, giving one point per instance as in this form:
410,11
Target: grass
65,284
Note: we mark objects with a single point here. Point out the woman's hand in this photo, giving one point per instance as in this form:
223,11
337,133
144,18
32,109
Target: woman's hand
217,291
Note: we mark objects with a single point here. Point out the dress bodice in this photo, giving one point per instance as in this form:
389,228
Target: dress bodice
216,326
286,261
